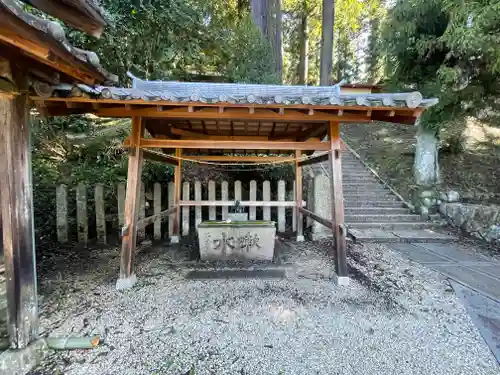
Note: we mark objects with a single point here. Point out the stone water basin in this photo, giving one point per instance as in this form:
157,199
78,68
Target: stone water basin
236,240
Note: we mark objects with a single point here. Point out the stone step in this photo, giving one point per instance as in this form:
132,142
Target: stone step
370,184
375,235
394,225
357,176
376,211
361,190
382,218
369,196
360,204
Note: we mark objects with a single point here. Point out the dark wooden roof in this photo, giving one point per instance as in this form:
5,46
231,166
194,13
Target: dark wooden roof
40,45
84,15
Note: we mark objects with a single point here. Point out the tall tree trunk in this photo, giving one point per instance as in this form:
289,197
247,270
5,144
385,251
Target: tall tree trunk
426,164
304,45
325,75
373,53
260,12
277,38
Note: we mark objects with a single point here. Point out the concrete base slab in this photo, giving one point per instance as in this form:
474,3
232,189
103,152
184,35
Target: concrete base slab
477,281
127,283
174,239
341,280
21,361
485,314
452,252
236,274
417,253
490,269
300,239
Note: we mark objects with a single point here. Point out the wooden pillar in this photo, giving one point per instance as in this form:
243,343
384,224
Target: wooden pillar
338,227
17,219
298,196
177,197
127,277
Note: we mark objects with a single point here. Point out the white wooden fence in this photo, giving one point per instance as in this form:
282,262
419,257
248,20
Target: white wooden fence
191,192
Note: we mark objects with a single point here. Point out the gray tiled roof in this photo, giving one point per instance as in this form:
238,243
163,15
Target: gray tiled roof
253,93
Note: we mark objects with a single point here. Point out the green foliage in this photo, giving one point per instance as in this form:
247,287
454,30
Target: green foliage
449,50
164,39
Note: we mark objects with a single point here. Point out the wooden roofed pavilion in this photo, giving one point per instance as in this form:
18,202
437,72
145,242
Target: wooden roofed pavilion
238,123
35,57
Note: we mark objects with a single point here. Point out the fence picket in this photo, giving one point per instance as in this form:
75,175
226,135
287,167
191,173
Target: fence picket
281,210
252,211
81,213
225,197
197,197
211,197
266,196
185,209
62,213
237,190
157,210
100,218
294,210
100,213
171,193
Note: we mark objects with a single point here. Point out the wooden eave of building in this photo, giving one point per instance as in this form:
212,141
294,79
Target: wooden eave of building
84,15
224,128
42,44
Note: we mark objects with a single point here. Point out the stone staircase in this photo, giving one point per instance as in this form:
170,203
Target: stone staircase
374,213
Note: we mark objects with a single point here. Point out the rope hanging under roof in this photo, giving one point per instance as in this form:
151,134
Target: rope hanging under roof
288,160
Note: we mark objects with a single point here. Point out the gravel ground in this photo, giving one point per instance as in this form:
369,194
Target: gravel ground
396,317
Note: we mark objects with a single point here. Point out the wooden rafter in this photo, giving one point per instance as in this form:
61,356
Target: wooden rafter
159,157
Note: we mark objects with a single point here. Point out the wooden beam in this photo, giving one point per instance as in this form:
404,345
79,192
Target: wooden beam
314,160
230,113
246,159
132,198
177,197
319,219
141,224
234,145
313,131
242,203
337,200
191,135
298,196
159,157
17,219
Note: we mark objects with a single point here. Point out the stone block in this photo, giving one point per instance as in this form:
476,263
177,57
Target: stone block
322,206
427,194
239,216
251,240
492,234
21,361
485,216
